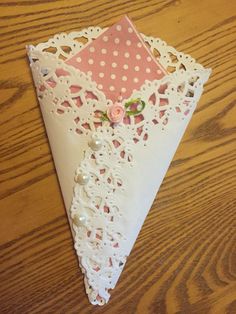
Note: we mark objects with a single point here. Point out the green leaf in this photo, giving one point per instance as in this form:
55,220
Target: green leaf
134,112
104,117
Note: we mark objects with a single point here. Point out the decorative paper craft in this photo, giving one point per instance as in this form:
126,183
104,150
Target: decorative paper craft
113,112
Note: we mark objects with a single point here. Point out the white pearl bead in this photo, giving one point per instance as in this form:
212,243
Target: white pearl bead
82,179
79,220
95,144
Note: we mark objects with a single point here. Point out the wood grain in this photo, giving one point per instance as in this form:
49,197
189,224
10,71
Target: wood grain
185,258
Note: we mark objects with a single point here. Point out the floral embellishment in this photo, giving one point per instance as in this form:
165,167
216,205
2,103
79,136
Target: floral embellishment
116,112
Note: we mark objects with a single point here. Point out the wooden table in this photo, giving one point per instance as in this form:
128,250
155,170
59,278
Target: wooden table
184,260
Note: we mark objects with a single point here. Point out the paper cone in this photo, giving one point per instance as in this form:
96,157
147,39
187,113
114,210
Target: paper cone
110,171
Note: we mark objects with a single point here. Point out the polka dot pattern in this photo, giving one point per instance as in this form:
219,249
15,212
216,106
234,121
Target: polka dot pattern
118,60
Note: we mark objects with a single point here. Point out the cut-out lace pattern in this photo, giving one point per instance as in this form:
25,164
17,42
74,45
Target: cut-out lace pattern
99,242
70,94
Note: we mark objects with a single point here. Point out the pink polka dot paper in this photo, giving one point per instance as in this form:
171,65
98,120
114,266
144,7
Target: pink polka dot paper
118,60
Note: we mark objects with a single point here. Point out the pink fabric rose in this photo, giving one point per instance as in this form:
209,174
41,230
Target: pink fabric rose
116,112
